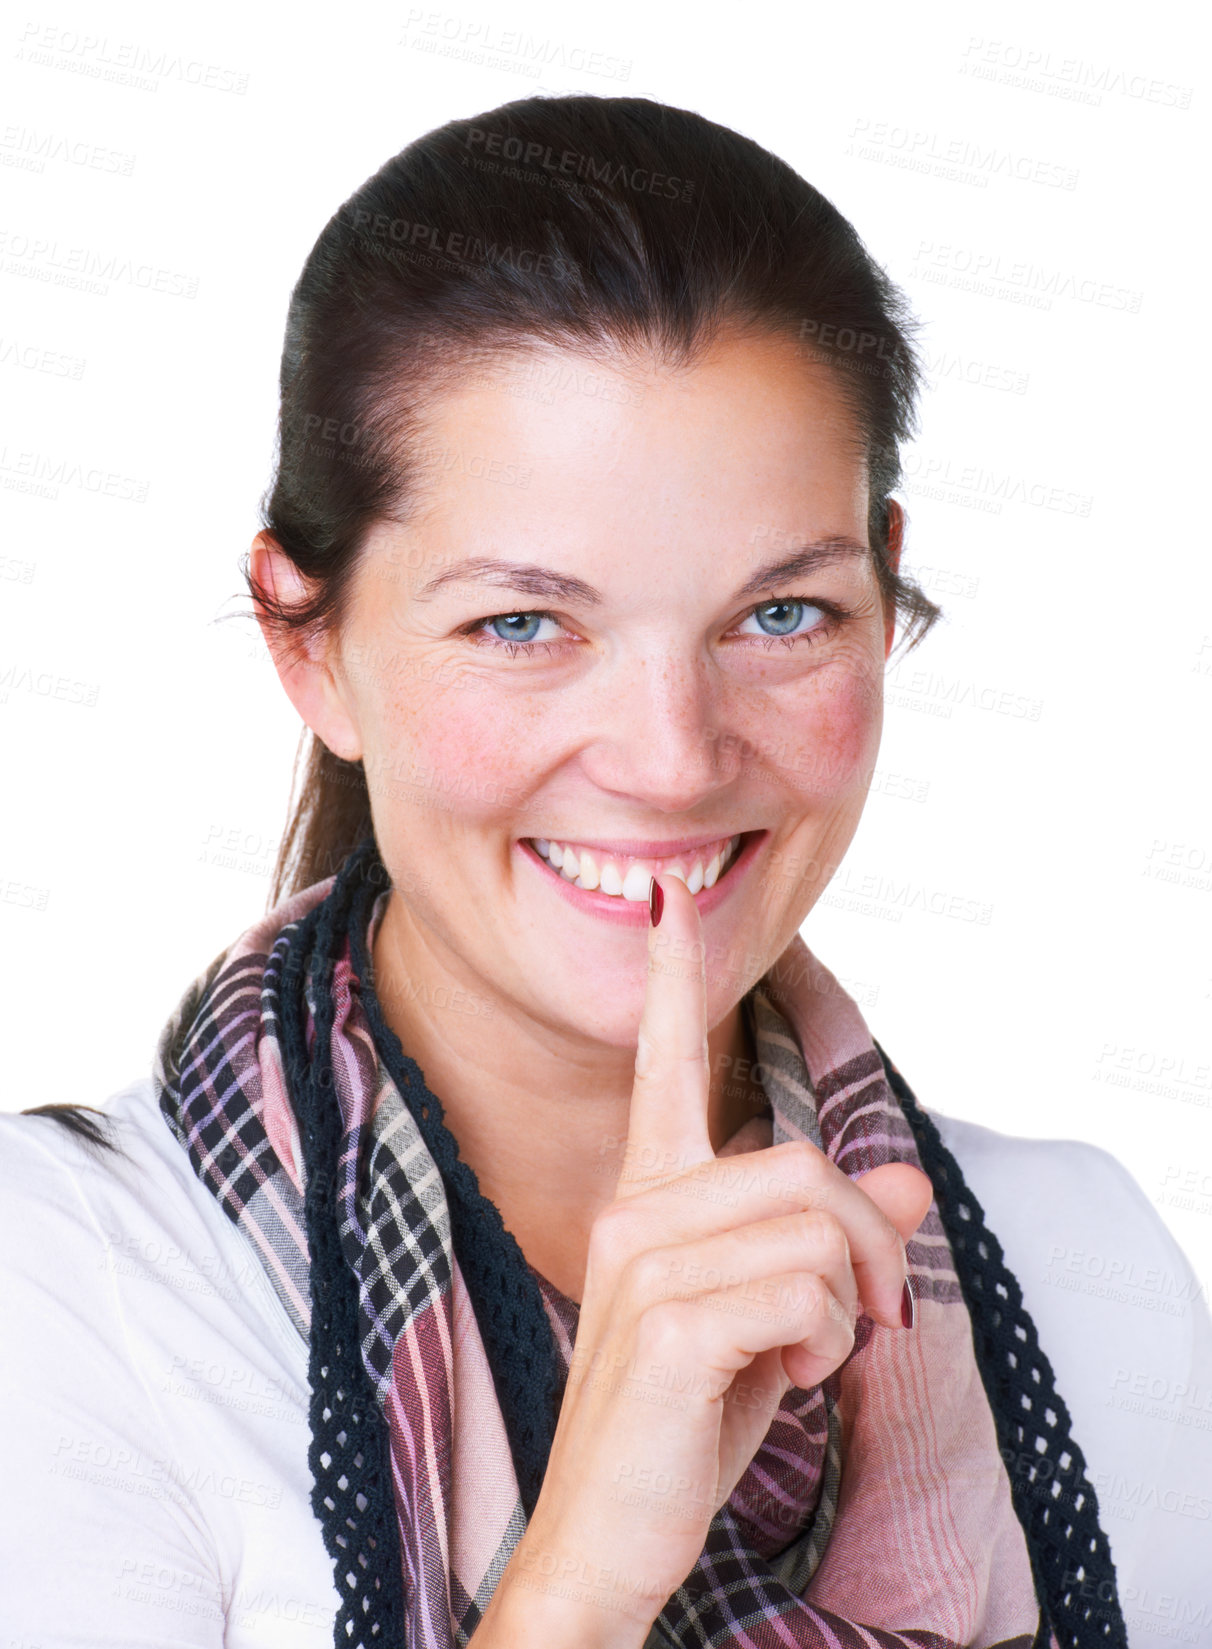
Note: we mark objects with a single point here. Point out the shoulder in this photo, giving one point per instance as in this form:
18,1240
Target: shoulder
156,1389
129,1231
1078,1220
1123,1320
123,1241
66,1200
89,1449
135,1200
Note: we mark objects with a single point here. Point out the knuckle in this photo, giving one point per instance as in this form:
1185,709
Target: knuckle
662,1331
797,1290
612,1236
803,1156
805,1298
803,1167
825,1233
831,1329
830,1335
647,1277
843,1331
842,1320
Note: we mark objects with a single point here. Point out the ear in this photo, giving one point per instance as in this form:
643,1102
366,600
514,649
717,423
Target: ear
303,665
896,541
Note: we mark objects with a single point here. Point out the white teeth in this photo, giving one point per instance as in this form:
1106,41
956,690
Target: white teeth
579,866
636,884
610,880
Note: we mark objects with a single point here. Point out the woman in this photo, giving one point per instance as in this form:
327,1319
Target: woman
522,1232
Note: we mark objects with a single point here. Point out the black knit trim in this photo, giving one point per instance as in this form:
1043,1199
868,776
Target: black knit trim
1052,1494
348,1429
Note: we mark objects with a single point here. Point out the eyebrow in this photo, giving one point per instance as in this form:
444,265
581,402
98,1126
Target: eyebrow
822,552
553,586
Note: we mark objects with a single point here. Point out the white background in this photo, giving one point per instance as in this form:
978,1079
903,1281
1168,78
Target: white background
1045,760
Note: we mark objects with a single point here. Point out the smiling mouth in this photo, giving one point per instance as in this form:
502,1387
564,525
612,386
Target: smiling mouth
626,877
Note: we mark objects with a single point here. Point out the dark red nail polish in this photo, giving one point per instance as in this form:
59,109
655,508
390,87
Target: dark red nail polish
656,902
908,1305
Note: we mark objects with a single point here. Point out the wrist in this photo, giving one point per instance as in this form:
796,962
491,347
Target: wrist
563,1604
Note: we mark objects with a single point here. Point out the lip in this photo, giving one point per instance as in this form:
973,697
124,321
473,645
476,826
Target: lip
634,913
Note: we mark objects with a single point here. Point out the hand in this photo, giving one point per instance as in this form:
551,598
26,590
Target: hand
704,1300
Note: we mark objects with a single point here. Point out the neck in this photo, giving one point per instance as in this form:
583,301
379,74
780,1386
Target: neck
541,1118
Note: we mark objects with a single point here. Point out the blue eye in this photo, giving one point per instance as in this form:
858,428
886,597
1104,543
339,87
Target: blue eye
795,620
780,618
517,634
516,626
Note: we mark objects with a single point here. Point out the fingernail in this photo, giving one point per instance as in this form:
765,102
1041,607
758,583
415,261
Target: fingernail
656,902
908,1305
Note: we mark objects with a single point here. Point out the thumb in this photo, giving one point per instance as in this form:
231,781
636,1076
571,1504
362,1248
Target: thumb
901,1192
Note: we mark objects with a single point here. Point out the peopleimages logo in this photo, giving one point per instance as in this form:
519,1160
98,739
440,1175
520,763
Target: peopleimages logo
1037,69
1016,280
36,358
476,40
126,61
47,473
996,487
961,159
81,266
29,149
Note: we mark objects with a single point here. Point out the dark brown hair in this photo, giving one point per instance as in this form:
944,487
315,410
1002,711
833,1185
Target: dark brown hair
78,1120
607,225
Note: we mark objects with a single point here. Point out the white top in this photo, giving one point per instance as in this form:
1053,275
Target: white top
156,1487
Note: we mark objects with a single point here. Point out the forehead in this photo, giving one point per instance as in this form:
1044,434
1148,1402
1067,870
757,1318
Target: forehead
580,460
758,393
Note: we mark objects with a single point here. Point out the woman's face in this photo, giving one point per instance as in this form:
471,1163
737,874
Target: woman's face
610,630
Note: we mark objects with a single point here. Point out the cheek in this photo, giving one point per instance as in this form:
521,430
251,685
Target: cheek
458,752
823,744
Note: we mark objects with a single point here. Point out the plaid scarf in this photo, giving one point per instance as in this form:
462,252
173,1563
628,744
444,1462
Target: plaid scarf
878,1510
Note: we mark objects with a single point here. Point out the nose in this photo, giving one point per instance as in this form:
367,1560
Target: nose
658,739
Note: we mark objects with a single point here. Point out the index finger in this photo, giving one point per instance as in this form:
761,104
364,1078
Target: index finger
667,1130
